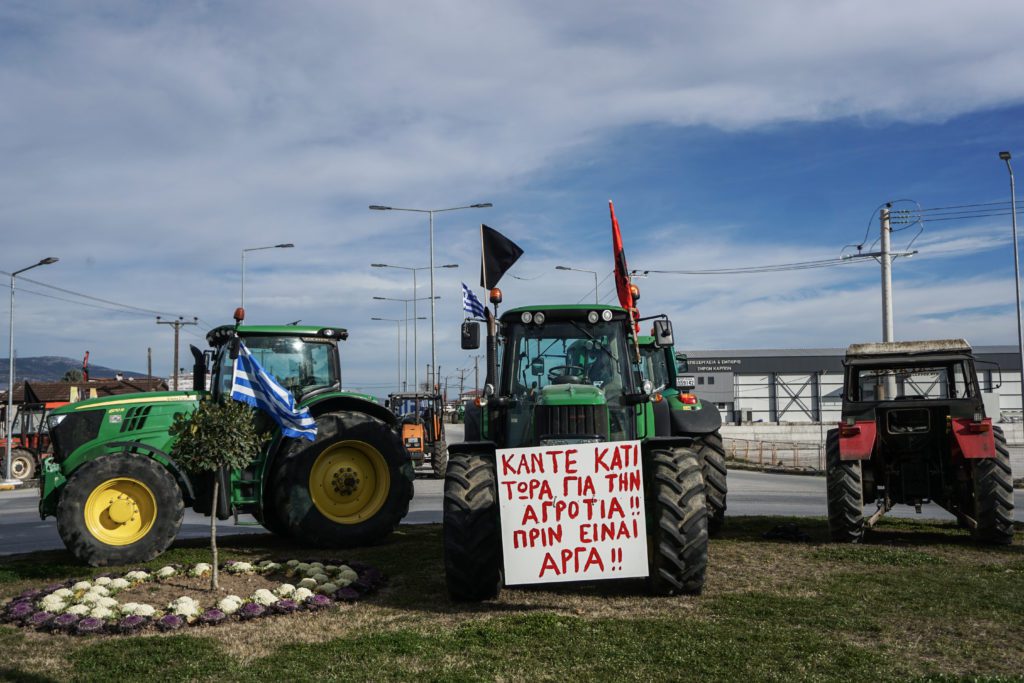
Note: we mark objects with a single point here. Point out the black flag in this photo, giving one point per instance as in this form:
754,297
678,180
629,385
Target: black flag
498,255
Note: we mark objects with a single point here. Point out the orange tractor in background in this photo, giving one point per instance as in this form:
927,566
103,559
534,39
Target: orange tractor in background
421,425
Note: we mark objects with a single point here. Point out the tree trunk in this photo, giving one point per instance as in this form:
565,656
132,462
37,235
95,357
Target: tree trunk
213,534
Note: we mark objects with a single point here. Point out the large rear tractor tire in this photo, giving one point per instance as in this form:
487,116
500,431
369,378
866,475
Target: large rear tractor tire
678,535
439,459
845,493
993,495
712,459
472,529
23,464
349,487
119,509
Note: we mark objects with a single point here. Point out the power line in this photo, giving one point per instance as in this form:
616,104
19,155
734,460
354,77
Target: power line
95,298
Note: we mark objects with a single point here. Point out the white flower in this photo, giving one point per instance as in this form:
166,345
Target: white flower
103,581
185,607
109,603
79,610
119,584
144,610
284,590
264,597
302,567
330,569
129,607
101,591
301,594
201,569
239,568
321,578
347,574
271,567
137,576
342,582
292,563
81,586
326,588
90,598
307,583
230,604
63,593
101,613
52,603
166,572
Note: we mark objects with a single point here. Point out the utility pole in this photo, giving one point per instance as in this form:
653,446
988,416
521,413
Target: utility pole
476,373
177,324
886,229
149,363
462,380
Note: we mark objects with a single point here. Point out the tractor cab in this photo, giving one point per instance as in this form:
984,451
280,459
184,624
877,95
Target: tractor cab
421,421
567,375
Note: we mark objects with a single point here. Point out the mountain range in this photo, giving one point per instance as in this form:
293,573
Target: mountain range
52,369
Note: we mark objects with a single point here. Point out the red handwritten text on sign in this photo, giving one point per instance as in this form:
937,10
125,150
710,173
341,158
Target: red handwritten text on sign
572,513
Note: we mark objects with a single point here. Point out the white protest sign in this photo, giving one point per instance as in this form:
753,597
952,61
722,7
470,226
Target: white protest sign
572,512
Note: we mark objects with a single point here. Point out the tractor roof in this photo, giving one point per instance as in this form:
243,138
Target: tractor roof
945,346
572,311
220,335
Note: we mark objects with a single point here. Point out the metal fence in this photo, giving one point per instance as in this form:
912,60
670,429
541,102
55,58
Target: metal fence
802,455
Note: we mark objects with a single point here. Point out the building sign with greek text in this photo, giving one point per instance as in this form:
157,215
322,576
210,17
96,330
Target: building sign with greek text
572,512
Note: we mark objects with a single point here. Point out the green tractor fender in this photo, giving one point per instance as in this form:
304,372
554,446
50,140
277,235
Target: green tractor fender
704,420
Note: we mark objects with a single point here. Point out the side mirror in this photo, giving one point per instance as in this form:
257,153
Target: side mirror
663,333
470,335
236,342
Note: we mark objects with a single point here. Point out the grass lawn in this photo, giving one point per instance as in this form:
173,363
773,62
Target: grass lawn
917,600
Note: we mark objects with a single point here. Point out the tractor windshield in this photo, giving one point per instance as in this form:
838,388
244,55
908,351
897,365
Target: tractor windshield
922,382
655,366
301,365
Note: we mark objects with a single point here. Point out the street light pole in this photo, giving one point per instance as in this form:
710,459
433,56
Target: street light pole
430,213
8,479
1005,156
398,329
273,246
406,302
581,270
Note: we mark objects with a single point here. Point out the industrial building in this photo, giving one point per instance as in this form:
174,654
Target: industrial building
793,386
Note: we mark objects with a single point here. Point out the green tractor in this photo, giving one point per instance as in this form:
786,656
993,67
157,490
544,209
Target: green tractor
680,412
560,375
119,497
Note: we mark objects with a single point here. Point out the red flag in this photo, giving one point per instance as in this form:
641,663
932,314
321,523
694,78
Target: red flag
622,283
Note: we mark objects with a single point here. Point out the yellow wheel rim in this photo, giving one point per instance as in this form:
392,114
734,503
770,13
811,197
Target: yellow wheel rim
120,511
349,482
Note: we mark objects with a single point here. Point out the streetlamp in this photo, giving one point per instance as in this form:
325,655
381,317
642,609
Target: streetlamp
10,374
415,327
273,246
431,212
398,323
406,313
581,270
1005,156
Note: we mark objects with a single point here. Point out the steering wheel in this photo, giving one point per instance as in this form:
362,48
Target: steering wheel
566,374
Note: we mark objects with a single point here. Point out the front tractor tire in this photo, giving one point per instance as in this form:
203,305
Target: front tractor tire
119,509
472,529
349,487
993,495
678,532
845,493
712,459
439,459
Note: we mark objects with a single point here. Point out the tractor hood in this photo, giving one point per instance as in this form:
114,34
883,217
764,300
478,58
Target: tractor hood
571,395
128,400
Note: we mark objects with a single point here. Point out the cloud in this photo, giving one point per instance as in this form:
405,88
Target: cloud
146,144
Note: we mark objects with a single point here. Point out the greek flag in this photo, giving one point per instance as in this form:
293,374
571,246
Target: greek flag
470,304
253,385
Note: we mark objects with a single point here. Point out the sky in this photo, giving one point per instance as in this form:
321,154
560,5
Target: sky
145,144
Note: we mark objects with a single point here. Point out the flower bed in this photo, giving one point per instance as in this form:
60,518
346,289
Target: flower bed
87,607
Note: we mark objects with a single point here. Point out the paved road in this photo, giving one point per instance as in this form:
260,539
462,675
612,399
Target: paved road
750,493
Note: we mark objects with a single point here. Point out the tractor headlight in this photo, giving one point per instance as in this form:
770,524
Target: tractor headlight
606,316
538,318
526,317
54,420
593,317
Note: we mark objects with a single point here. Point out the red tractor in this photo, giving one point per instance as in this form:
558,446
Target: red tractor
30,440
914,431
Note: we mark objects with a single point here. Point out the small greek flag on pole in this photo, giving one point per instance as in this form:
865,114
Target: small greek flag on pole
470,304
253,385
